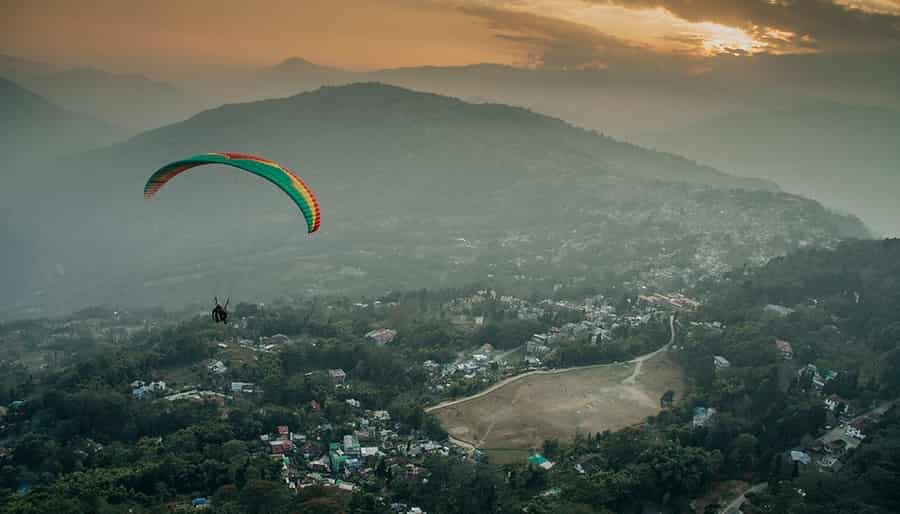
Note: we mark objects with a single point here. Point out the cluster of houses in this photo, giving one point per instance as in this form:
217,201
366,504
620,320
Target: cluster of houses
600,320
828,451
482,364
141,389
369,447
819,379
263,344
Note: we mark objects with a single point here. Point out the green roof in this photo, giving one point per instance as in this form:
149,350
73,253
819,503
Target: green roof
537,459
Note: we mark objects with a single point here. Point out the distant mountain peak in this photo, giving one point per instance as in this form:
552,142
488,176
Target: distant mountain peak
300,65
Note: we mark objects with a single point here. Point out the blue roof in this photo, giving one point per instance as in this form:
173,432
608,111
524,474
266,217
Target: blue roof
199,501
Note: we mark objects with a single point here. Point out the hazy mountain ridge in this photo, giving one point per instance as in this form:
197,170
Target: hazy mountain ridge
37,131
128,100
327,111
754,119
401,176
845,155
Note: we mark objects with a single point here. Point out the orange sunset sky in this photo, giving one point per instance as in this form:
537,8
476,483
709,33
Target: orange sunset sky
167,36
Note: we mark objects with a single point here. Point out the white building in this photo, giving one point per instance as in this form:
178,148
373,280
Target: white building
779,310
382,336
702,416
854,432
351,445
369,451
241,387
801,457
217,367
833,401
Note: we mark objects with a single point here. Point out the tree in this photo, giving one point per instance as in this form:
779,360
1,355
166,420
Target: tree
432,428
322,505
743,453
551,448
263,497
667,399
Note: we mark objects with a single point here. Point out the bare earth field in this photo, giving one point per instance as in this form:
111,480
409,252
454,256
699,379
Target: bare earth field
508,421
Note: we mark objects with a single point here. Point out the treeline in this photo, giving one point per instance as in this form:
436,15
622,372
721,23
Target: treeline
845,304
844,320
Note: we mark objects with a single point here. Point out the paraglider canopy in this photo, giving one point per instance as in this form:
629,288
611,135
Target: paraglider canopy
275,173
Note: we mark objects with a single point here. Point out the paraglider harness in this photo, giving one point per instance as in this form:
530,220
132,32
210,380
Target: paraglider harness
220,313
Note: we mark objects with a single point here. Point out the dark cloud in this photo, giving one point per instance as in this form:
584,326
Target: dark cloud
559,44
814,24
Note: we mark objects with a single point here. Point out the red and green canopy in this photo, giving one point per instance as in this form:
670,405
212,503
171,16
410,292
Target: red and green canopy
275,173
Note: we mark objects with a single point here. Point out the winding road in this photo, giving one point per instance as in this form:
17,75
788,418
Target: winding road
735,506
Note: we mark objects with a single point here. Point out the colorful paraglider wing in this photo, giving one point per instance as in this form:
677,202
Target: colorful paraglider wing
275,173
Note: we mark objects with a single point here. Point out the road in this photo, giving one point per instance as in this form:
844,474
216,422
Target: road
838,432
501,356
735,505
637,361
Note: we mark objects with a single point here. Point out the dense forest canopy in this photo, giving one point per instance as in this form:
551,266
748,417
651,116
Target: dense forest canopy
79,442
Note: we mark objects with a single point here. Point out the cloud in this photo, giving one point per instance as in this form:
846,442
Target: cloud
793,25
555,43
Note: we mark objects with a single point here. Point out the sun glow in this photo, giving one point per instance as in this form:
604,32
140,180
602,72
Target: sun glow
661,30
719,39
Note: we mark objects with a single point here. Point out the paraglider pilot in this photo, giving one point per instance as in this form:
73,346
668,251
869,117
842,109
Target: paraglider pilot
220,313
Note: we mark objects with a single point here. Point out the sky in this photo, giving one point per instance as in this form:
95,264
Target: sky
166,36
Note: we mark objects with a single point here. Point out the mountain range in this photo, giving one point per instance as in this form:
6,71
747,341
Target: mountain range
403,178
131,102
735,114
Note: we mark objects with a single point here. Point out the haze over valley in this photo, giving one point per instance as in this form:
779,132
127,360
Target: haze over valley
450,257
766,119
526,197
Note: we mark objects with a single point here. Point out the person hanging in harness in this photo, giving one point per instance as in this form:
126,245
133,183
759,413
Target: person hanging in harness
220,313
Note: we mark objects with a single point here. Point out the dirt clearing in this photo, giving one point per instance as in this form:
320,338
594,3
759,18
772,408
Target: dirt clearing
508,421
